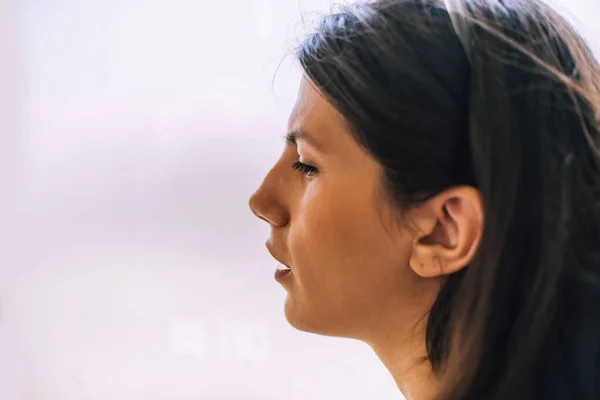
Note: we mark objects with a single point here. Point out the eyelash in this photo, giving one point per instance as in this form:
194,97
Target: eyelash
306,169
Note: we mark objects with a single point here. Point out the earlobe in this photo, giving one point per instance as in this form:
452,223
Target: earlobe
450,226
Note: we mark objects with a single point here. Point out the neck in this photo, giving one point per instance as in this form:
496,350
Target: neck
403,352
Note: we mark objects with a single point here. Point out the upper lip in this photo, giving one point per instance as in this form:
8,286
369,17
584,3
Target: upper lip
274,254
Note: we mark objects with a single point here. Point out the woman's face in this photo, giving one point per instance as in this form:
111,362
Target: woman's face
333,226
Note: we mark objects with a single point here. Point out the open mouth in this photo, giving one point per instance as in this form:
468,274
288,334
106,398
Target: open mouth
282,271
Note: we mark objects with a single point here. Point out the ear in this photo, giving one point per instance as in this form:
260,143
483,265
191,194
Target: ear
449,228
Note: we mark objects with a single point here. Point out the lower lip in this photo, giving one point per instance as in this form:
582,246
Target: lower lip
283,275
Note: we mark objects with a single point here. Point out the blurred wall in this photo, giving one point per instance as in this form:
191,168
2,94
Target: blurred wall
133,267
11,383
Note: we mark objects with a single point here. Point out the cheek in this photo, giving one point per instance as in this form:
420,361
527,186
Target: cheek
343,253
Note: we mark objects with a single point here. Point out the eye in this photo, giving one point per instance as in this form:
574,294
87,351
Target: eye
306,169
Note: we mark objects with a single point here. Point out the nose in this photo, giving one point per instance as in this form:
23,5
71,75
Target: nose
266,203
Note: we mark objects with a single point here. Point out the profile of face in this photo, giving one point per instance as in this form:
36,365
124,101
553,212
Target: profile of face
356,265
428,208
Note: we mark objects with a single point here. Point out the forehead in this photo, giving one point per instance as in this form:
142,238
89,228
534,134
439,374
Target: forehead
313,113
329,130
312,106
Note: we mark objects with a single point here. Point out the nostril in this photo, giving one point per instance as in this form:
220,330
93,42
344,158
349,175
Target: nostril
266,205
271,213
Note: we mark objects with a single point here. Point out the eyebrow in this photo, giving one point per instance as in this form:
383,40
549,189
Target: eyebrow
297,134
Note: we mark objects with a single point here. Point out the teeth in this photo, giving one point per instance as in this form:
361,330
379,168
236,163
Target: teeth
281,267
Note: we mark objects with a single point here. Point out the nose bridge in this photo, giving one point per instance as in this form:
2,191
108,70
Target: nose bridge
266,203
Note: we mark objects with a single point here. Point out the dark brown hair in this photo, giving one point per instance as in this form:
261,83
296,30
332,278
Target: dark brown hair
511,110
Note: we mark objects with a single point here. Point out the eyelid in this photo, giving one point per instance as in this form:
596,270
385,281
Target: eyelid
306,169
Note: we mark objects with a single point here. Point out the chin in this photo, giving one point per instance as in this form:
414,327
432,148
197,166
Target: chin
314,321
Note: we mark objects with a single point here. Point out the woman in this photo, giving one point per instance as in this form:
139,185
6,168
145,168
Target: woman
439,197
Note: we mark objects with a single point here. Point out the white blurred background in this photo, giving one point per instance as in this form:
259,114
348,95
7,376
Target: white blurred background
132,134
